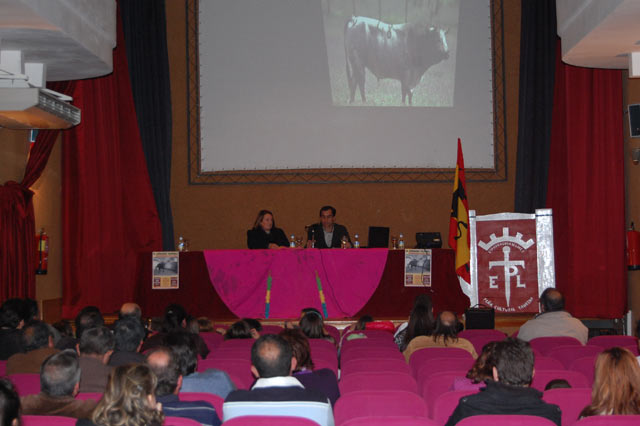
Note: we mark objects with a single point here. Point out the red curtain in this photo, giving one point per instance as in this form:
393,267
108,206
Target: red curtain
109,214
586,190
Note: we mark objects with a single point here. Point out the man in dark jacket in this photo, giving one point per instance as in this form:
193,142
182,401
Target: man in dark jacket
327,233
510,392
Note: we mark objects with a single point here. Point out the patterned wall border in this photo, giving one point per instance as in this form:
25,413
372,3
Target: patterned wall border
345,175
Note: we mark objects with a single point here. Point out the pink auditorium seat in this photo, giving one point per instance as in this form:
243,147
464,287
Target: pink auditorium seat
25,383
389,420
212,339
608,421
271,329
437,365
585,365
547,363
493,333
212,399
386,380
633,349
179,421
575,378
607,342
269,421
436,385
236,344
364,365
571,402
505,420
333,331
366,343
478,342
426,355
324,352
30,420
230,353
239,370
445,404
392,353
378,403
569,353
324,361
545,344
322,344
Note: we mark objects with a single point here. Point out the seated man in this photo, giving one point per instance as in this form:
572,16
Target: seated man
95,348
275,392
327,233
130,310
59,383
38,344
510,392
164,364
129,335
554,320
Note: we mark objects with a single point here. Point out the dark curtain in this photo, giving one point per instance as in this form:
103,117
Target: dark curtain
144,25
109,214
537,70
586,190
17,218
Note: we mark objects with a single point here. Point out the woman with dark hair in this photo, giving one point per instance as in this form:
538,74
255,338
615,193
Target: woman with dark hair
312,326
616,385
421,322
129,399
323,380
264,234
445,335
241,330
482,370
9,404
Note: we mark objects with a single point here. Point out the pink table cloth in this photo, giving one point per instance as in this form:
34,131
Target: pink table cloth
348,279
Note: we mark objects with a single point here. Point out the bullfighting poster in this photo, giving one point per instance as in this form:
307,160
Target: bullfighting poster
511,260
417,268
165,270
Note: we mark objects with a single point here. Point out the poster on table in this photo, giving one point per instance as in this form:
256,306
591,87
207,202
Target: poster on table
165,270
417,268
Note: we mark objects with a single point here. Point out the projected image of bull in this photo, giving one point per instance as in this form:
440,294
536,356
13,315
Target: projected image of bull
392,52
402,52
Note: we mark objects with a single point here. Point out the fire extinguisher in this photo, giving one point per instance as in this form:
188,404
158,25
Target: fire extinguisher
42,252
633,249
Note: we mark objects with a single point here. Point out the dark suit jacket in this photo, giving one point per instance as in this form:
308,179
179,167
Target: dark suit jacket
339,231
258,239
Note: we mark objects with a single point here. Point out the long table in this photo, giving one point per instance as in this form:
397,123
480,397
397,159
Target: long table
390,298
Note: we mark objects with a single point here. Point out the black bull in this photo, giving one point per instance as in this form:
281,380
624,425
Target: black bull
403,52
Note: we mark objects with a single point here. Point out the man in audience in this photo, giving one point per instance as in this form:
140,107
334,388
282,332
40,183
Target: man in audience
11,323
95,348
88,317
510,392
554,320
59,383
129,335
38,344
130,310
275,392
164,364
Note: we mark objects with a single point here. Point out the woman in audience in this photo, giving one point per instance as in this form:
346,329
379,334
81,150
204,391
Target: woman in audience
323,380
9,404
264,234
312,325
129,399
482,370
421,323
241,330
175,319
616,385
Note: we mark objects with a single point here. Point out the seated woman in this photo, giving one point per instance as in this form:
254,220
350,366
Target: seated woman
129,399
312,326
482,370
445,335
264,233
323,380
241,330
421,322
616,385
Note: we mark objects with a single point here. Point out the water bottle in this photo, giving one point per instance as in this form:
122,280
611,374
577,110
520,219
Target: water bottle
356,241
180,243
401,242
292,241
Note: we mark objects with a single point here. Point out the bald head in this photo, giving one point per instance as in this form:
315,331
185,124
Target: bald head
448,318
130,309
271,356
446,325
164,364
551,300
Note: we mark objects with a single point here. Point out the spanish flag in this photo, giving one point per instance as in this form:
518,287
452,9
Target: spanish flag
459,221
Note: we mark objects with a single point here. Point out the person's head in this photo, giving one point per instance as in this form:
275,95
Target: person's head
185,349
165,366
36,335
446,326
423,299
175,316
616,384
97,342
130,309
264,221
421,323
557,384
312,325
9,404
483,367
129,334
551,300
238,330
129,398
11,313
300,347
327,217
60,374
253,323
205,324
362,322
88,317
64,328
305,311
272,356
30,310
513,362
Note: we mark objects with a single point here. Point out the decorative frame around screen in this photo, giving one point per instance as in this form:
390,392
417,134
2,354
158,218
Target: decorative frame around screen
345,175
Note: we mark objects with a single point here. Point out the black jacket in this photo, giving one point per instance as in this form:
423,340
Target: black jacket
339,231
258,239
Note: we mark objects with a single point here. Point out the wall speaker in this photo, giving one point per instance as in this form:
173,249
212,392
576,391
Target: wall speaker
634,120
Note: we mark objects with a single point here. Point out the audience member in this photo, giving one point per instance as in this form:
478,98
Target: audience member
205,325
557,384
128,335
59,384
481,371
11,323
445,335
616,385
253,323
421,322
130,310
510,391
553,320
323,380
272,362
38,345
129,399
362,322
175,318
9,404
67,339
95,348
164,364
88,317
241,330
312,325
